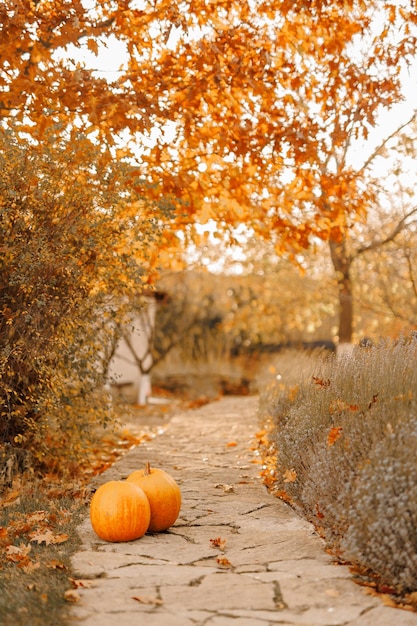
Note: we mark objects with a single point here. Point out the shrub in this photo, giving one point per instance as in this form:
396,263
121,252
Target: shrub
345,443
382,531
75,238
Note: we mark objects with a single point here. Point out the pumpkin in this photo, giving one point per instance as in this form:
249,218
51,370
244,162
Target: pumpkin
120,511
163,493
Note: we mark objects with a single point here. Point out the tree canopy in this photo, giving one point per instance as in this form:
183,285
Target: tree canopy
240,112
254,105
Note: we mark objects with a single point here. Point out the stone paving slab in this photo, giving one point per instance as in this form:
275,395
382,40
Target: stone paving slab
273,569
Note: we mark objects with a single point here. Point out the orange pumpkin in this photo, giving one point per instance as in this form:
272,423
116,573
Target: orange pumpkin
163,493
120,511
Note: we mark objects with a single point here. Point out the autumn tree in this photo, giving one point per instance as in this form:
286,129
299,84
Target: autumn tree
270,100
236,111
267,306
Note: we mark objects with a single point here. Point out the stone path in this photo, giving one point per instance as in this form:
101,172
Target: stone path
236,556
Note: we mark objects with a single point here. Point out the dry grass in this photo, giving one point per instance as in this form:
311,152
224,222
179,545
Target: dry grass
37,538
345,434
39,517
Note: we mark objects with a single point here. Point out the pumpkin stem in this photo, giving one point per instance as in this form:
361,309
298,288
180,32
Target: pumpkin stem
147,468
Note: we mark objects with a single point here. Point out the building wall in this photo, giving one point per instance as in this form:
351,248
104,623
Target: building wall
126,380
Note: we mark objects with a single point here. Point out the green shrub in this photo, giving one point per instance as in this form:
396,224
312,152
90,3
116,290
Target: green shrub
345,440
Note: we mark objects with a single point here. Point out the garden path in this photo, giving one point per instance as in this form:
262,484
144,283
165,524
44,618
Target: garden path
237,556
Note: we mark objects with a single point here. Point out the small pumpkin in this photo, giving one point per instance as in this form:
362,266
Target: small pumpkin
163,493
120,511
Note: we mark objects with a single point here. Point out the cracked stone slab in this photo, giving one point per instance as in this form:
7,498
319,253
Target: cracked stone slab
236,556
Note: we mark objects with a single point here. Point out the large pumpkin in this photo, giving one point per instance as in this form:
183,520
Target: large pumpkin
120,511
163,493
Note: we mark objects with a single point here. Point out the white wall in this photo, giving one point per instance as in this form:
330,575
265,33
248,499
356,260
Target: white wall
125,378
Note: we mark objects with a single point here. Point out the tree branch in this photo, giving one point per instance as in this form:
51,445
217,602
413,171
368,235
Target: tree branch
401,225
382,145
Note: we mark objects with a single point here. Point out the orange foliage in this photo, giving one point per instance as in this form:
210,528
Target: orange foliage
334,434
263,99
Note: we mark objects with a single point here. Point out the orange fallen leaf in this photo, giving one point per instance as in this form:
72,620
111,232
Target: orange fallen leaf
231,444
283,495
60,538
30,567
81,582
42,536
148,600
221,560
46,536
71,596
289,476
218,542
334,434
319,514
37,516
226,488
55,564
320,382
18,554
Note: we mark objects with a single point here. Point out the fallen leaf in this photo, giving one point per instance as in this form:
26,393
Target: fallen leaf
18,554
47,536
226,488
30,567
218,543
60,538
321,383
84,583
54,564
412,597
147,600
37,516
71,595
289,476
231,444
221,560
283,495
319,514
42,536
3,532
334,434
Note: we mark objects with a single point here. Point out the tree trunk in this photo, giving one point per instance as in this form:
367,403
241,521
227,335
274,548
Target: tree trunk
342,262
